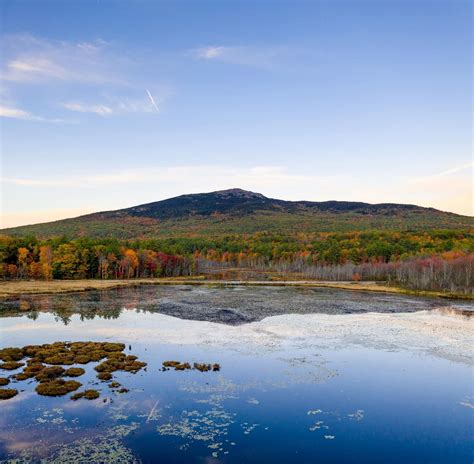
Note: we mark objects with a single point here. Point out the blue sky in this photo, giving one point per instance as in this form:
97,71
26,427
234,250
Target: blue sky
109,104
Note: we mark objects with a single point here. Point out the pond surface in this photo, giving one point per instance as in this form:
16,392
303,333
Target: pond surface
306,375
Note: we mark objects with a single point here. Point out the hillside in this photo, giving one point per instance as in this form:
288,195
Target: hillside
237,211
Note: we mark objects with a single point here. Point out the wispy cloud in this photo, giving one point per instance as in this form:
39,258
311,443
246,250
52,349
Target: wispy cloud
116,105
101,110
18,113
29,59
253,56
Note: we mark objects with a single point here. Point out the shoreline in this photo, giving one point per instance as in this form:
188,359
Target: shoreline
28,287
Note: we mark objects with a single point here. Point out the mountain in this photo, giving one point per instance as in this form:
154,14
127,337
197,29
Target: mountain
240,211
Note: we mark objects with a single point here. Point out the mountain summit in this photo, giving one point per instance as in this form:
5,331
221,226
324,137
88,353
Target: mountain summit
241,211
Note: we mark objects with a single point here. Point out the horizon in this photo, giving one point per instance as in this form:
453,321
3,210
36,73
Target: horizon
340,101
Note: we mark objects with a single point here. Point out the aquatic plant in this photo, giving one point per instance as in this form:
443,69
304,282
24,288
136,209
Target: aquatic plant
11,354
104,376
7,393
123,390
45,365
74,372
57,387
87,394
114,384
11,365
179,366
50,373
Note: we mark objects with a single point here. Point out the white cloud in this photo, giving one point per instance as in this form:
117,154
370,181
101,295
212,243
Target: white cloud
17,113
30,59
116,105
253,56
210,53
101,110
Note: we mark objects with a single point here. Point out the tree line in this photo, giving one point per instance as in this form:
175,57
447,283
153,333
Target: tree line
436,260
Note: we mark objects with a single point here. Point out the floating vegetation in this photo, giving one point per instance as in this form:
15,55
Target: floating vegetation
210,427
74,372
248,428
7,393
253,401
114,384
123,390
11,365
50,373
105,376
357,416
87,394
45,364
318,425
11,354
179,366
107,448
117,363
57,387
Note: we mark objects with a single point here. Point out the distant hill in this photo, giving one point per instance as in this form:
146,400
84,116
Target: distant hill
239,211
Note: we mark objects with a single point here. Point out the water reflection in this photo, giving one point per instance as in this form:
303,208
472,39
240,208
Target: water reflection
217,304
393,386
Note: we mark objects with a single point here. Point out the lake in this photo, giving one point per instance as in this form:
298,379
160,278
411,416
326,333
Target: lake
296,375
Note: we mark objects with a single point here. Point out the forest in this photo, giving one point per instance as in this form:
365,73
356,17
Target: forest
436,260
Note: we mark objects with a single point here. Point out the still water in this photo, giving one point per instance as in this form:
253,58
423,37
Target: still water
306,375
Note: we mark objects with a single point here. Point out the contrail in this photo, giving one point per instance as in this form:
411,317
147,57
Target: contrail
152,100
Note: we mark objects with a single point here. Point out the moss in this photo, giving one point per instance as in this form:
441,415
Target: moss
104,376
59,354
74,372
134,366
49,373
57,387
116,356
7,393
11,365
30,350
109,366
177,365
202,367
97,355
60,359
87,394
11,354
91,394
171,363
4,381
107,346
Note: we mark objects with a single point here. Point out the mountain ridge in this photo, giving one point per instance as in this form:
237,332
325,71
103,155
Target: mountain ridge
241,211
